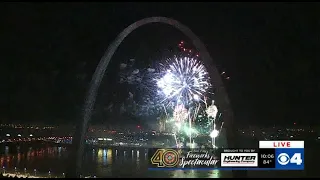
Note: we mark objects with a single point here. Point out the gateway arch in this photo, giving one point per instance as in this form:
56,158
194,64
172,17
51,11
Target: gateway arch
221,97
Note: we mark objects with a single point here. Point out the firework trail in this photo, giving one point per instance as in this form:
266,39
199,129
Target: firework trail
141,89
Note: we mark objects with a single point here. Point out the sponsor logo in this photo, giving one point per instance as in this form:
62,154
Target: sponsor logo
239,159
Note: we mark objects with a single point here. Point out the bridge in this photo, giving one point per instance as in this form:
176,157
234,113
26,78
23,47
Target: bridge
63,140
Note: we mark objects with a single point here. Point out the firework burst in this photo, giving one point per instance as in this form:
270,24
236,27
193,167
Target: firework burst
184,80
180,114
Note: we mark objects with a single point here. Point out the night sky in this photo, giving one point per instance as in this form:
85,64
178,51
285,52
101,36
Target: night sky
49,52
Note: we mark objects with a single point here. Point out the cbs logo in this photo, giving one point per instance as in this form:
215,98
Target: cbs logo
284,159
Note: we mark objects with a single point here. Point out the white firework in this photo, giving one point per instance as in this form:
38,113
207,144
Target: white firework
180,113
212,110
185,79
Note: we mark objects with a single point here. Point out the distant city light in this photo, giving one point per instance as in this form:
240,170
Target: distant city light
8,135
19,135
31,135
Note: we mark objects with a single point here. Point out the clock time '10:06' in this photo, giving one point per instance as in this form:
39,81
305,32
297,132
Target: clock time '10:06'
267,156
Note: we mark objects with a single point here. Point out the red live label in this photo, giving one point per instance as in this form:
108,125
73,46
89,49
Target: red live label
281,144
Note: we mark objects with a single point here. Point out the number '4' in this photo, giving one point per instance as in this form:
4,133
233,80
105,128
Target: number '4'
296,159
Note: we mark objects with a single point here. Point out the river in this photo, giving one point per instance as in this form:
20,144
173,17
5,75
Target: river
115,162
99,162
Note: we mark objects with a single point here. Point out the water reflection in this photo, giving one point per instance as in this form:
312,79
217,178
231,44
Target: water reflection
6,150
104,157
100,162
138,158
19,158
59,151
109,156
